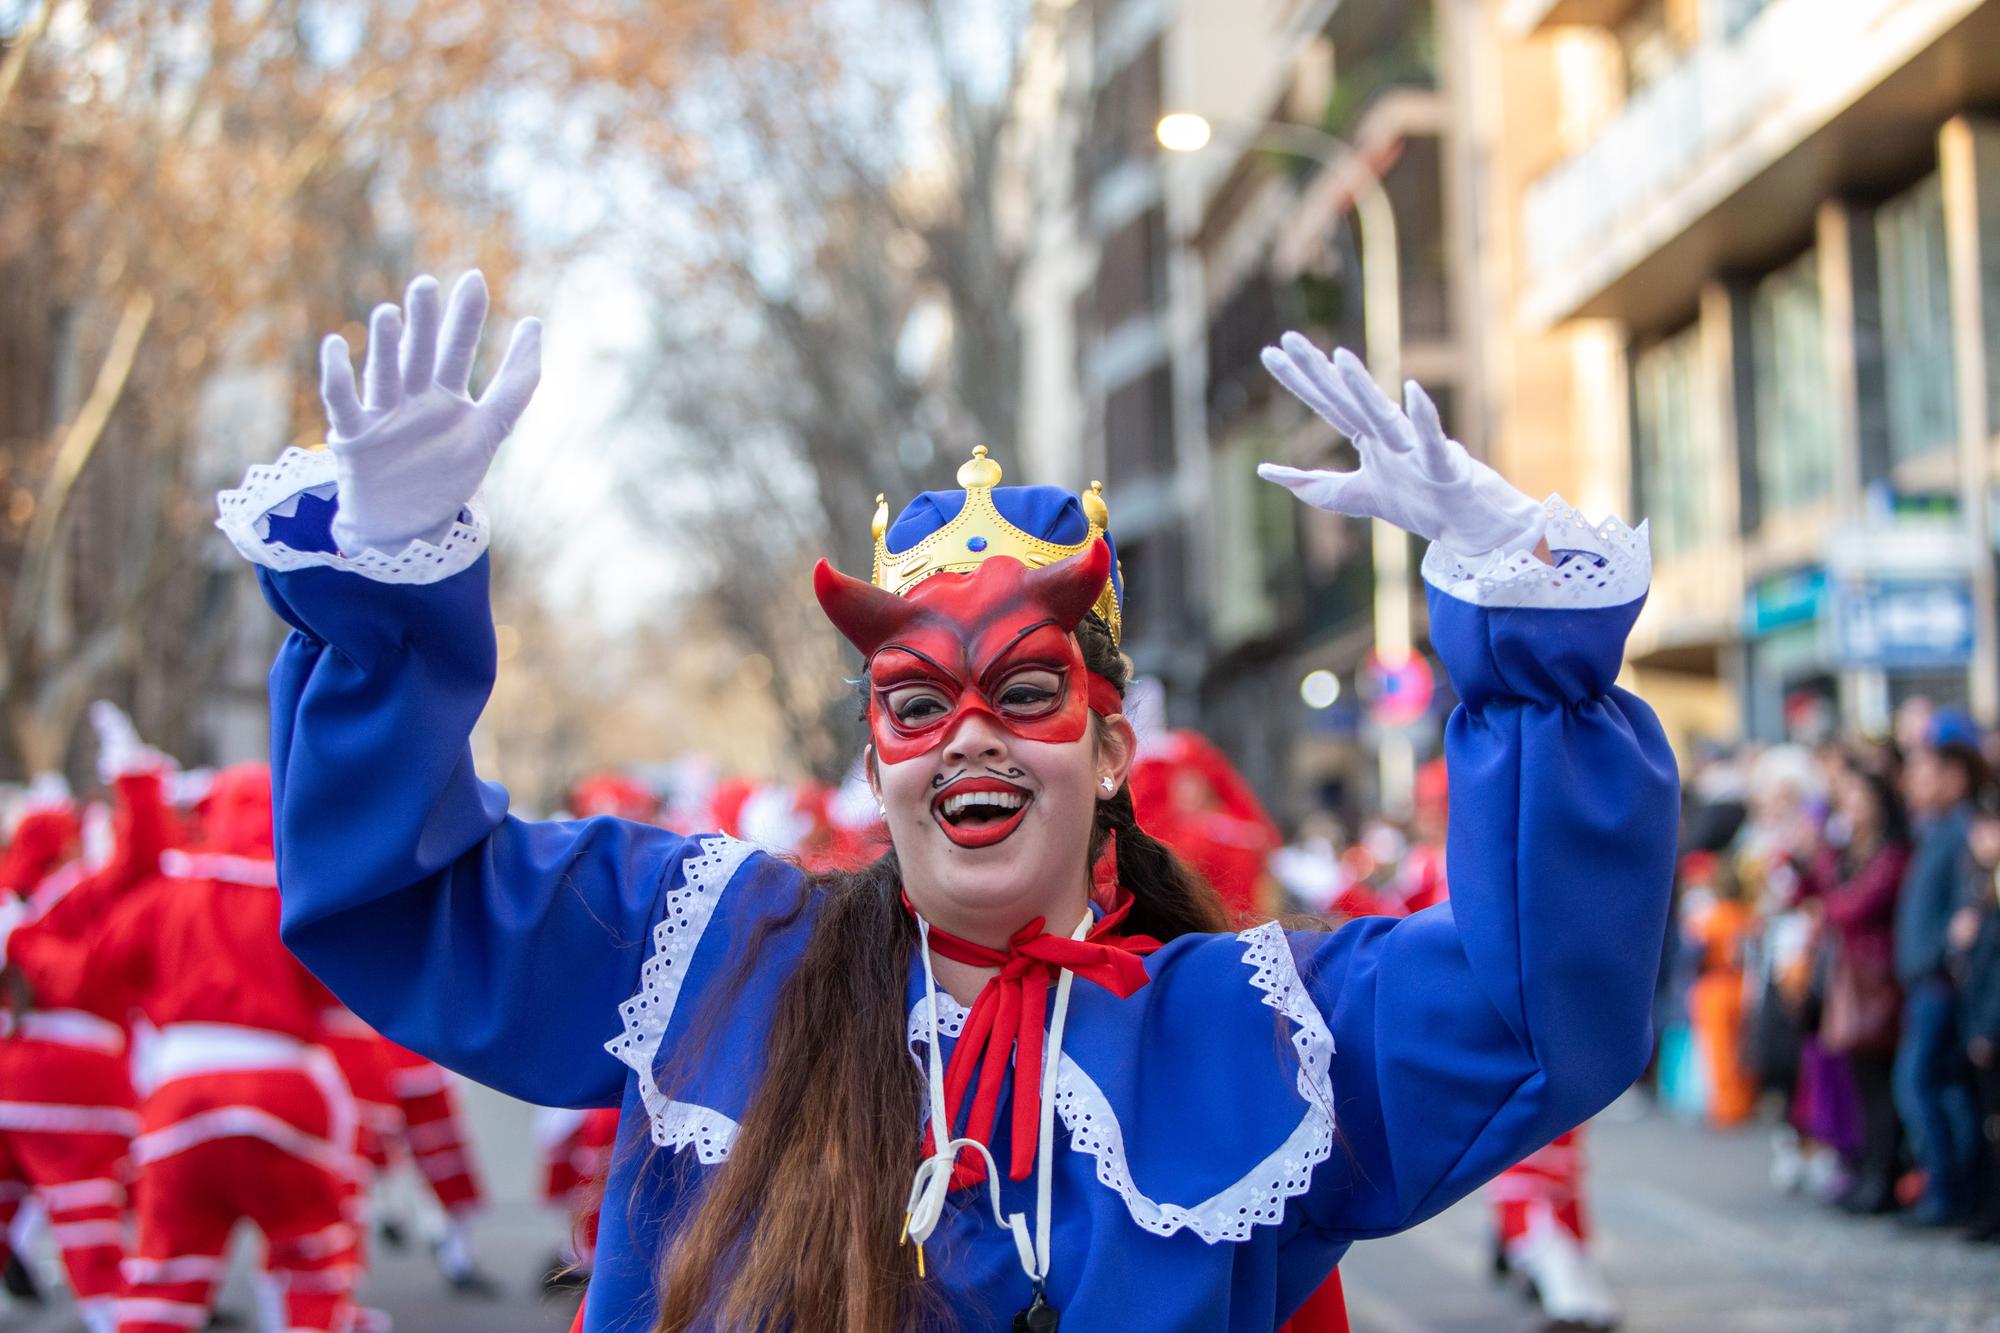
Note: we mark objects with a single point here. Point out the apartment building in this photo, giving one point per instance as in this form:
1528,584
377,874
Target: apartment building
1155,286
1092,298
1279,230
1743,279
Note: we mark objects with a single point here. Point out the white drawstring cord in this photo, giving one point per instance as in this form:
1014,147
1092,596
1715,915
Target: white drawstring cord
932,1182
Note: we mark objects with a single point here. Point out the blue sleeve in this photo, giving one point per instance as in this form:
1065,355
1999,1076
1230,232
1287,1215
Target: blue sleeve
499,948
1471,1034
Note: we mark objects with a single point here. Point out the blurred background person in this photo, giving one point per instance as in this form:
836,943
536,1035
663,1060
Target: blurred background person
1715,923
1855,882
1786,805
1933,1079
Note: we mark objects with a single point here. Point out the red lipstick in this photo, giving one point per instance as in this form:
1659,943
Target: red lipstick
991,821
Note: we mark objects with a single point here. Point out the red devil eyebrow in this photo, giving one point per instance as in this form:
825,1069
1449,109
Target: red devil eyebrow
923,657
999,656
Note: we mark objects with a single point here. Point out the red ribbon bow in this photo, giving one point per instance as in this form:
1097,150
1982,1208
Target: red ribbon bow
1007,1016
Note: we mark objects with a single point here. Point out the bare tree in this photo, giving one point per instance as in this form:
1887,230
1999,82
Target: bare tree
834,315
188,188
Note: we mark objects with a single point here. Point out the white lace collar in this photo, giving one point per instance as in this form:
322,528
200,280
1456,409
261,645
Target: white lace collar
1232,1213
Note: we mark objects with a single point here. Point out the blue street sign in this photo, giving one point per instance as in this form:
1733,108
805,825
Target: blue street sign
1907,623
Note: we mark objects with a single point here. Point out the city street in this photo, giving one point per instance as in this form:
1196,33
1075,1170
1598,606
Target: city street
1692,1234
1694,1238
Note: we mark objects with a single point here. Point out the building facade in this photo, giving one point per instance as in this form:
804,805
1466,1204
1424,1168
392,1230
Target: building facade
1731,266
1756,252
1167,274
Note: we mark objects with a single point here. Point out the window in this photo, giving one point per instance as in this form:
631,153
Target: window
1794,397
1132,270
1677,448
1916,322
1126,110
1138,428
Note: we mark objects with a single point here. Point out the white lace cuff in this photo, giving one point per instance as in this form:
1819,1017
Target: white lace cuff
1605,564
677,1124
274,489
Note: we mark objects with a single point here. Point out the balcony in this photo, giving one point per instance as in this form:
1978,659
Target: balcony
1720,163
1522,18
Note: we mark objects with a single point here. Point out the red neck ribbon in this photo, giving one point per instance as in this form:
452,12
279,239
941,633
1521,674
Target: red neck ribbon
1007,1016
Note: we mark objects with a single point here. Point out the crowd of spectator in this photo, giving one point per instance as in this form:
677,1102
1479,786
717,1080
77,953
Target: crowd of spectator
1835,962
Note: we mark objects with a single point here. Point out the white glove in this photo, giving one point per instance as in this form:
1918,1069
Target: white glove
412,450
1412,474
119,749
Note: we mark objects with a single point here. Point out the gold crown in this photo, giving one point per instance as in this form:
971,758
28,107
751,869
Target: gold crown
979,533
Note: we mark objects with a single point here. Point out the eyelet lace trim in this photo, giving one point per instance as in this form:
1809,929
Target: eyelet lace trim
676,935
951,1021
1259,1198
1597,565
275,488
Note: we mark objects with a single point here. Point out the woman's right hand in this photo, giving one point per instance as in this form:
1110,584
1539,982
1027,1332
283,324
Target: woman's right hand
1412,474
412,449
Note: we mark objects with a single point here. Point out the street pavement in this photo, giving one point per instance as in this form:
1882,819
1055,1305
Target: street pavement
1693,1236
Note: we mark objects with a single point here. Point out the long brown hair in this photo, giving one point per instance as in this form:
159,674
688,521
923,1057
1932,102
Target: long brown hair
799,1228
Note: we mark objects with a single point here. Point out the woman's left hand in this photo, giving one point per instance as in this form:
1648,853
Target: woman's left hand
1412,474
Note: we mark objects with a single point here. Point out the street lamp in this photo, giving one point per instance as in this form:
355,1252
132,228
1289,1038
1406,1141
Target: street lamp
1382,316
1183,132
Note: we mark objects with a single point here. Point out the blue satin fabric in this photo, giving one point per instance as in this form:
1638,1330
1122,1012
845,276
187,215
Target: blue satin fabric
1466,1036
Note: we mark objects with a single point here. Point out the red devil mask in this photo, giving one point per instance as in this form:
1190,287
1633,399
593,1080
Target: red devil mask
998,641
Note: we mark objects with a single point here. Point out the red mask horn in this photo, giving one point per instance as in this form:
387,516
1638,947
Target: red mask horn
866,615
1068,589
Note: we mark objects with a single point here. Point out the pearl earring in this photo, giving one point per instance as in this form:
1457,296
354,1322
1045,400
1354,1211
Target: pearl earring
1108,785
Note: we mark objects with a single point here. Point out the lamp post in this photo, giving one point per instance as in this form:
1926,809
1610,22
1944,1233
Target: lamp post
1382,315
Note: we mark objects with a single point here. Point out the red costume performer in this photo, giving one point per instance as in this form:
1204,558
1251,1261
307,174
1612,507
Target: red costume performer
1187,794
432,1130
403,1107
247,1118
69,1113
576,1152
1540,1225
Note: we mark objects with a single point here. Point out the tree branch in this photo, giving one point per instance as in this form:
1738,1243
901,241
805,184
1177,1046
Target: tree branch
79,443
16,58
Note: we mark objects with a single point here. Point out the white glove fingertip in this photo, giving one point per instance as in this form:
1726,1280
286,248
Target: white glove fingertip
381,381
420,334
465,316
1381,412
1419,408
520,371
336,387
1299,347
1313,390
1440,455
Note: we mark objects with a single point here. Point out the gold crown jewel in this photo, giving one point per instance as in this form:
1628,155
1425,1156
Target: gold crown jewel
979,533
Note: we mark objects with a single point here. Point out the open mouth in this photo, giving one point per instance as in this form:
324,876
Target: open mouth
980,811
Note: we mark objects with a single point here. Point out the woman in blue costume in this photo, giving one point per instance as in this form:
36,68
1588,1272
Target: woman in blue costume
1152,1122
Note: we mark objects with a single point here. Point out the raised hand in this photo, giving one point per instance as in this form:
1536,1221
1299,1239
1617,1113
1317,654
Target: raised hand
119,749
412,448
1412,474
